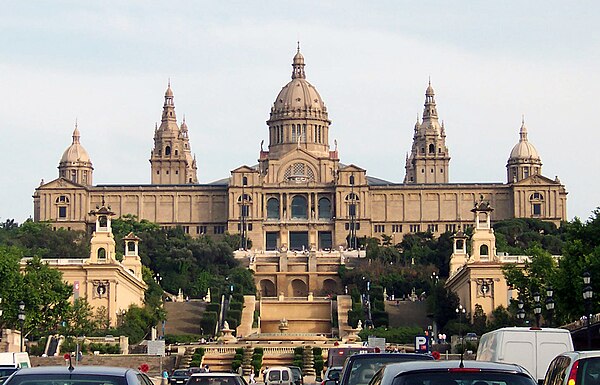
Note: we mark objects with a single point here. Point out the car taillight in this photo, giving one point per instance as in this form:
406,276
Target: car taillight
573,373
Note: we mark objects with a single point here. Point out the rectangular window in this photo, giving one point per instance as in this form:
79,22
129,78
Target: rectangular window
352,210
220,229
415,228
396,228
380,228
62,212
537,209
245,210
186,229
451,227
432,228
200,229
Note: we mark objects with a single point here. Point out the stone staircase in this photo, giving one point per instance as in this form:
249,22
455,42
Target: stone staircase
407,313
245,327
184,317
344,304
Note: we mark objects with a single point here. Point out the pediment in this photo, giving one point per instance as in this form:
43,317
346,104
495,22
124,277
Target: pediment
534,180
352,168
60,183
244,169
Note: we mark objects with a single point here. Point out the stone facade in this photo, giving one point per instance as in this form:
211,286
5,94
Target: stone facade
300,196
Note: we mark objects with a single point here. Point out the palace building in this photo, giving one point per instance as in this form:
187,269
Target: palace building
300,196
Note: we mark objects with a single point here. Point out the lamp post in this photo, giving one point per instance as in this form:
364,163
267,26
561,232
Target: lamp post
537,308
22,321
549,304
460,311
157,278
588,293
520,311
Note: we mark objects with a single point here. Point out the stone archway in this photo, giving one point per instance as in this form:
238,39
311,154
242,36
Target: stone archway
330,287
298,288
267,288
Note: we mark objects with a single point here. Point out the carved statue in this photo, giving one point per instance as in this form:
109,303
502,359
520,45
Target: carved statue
226,325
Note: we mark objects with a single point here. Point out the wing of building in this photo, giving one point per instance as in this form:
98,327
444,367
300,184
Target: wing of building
300,196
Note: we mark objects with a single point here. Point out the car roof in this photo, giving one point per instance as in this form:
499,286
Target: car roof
396,369
82,369
215,374
359,356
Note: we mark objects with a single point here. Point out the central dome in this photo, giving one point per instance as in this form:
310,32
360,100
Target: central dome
298,96
75,153
524,150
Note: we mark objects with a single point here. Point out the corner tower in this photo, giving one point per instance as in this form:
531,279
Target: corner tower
171,159
75,164
298,117
524,159
429,159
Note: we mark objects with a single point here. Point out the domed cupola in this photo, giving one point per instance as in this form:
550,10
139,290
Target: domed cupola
298,116
524,159
75,163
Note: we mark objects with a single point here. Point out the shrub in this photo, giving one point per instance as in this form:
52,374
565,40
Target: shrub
236,306
208,322
213,307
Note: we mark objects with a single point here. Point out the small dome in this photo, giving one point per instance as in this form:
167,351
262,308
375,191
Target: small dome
524,149
75,153
169,91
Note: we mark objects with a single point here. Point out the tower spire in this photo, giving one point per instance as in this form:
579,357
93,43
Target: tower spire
298,65
523,130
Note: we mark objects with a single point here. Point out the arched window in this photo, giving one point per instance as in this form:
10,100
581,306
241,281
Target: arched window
130,246
167,150
101,253
352,197
245,181
352,180
176,152
273,208
483,250
324,208
431,149
299,207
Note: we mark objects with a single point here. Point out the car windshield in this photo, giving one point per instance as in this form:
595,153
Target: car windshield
462,378
65,379
212,380
363,369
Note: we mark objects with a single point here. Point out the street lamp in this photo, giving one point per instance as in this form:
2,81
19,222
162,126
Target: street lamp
549,304
22,321
157,278
520,311
588,293
537,308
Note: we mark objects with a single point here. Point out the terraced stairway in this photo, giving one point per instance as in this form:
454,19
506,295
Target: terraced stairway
184,317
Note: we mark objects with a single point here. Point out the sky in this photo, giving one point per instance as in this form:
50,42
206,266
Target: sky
106,65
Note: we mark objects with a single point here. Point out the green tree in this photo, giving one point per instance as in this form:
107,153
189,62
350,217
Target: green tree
79,319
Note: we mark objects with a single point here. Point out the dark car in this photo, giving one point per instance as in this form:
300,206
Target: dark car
452,373
215,378
179,377
297,375
360,368
68,375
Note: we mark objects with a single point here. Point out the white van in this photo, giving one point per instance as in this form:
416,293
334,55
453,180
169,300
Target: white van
15,360
279,375
532,348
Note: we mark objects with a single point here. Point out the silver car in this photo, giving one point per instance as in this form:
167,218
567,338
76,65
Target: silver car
574,368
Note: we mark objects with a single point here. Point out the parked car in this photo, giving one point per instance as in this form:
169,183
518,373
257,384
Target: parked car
179,377
82,374
574,368
453,372
279,375
532,348
360,368
297,375
333,373
216,378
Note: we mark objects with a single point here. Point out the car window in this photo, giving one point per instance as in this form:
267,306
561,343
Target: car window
363,369
557,371
462,378
274,375
285,375
590,371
